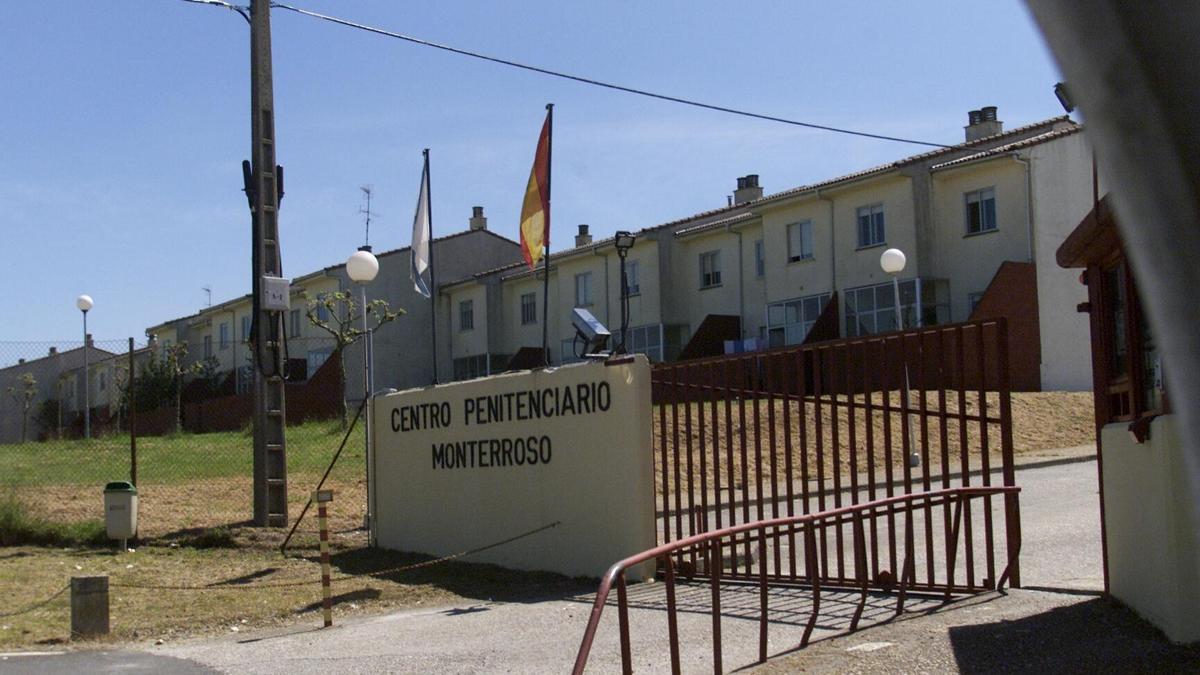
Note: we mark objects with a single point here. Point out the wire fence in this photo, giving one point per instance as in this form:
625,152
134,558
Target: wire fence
176,420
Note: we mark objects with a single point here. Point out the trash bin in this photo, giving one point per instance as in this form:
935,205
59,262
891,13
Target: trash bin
120,510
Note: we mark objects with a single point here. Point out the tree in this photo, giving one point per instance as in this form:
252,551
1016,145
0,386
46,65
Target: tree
162,378
344,323
23,393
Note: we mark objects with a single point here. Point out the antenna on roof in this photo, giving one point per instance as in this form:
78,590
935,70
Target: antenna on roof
367,190
208,292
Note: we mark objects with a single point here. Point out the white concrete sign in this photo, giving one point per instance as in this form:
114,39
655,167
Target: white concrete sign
463,465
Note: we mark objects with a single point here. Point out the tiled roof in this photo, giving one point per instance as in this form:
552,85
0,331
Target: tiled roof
715,224
925,156
1009,147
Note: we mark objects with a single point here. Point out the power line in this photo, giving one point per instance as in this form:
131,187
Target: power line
597,83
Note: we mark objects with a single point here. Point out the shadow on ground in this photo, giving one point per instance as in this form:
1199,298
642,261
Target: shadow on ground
469,580
1092,636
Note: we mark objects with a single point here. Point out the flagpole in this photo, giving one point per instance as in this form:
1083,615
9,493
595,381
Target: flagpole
546,236
432,283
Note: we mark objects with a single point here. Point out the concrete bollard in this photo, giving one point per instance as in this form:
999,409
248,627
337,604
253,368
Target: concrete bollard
89,606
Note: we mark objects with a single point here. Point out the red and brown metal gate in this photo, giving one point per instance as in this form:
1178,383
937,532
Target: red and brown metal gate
814,428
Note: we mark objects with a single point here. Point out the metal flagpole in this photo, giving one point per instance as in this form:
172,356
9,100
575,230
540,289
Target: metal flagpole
546,238
432,283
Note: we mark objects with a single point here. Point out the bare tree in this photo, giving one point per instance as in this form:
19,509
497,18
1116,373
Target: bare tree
23,393
344,322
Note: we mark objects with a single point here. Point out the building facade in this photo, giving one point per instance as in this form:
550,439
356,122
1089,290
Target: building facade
403,348
769,265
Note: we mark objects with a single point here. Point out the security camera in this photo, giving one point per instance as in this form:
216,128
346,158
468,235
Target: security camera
588,328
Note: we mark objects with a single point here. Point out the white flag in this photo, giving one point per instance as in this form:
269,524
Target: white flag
421,234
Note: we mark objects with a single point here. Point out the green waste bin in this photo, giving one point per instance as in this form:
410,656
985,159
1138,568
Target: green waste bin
120,510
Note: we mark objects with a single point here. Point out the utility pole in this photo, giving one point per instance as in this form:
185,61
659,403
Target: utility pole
264,187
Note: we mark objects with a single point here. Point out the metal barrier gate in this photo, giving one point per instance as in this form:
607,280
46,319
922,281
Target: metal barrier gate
815,428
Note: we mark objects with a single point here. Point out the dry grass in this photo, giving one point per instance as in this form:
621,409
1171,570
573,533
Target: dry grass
1041,421
248,594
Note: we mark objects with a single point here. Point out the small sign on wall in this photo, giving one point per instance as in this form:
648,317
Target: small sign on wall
463,465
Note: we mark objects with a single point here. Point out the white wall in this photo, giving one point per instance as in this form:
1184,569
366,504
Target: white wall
1153,552
1062,197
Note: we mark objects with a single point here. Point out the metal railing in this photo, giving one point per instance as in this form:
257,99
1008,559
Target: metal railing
746,437
709,547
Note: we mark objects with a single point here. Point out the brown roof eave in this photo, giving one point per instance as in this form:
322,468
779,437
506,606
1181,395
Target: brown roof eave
1094,240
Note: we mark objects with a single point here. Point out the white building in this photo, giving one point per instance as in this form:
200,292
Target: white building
766,266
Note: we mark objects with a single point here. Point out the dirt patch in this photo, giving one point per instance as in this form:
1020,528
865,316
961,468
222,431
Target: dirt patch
844,436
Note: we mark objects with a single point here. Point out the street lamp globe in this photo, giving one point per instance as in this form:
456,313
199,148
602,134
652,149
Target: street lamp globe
362,267
84,303
892,261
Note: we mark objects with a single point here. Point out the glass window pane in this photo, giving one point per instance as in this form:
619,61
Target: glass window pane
793,311
793,334
774,315
989,214
885,296
886,320
811,309
908,292
806,244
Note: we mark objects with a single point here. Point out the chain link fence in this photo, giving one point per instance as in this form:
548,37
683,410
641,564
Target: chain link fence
176,420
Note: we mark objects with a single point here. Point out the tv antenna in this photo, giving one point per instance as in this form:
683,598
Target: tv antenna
367,190
208,294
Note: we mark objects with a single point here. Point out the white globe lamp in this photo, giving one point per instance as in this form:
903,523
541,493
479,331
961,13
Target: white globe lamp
892,261
362,267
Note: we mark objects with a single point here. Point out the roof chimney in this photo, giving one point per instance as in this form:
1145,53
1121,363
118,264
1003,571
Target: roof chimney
478,220
20,361
87,340
747,189
53,351
583,238
983,123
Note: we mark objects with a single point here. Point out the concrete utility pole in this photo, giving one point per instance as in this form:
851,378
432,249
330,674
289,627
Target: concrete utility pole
264,188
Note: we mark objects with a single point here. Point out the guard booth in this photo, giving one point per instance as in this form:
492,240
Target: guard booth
556,460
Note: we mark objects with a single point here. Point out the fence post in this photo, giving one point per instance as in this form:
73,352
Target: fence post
130,392
89,606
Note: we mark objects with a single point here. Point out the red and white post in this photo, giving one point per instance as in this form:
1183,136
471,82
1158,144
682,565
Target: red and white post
323,497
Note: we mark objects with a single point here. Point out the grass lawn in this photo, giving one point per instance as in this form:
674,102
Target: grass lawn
169,459
244,588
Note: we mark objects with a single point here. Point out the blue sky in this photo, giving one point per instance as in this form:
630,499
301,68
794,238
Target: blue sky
123,125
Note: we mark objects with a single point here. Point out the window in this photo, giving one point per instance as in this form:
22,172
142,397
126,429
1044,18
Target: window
224,331
760,259
208,347
245,329
322,310
466,315
583,289
981,210
799,240
103,383
870,226
470,367
646,340
1134,385
633,275
316,359
294,323
973,300
789,322
710,269
872,309
528,308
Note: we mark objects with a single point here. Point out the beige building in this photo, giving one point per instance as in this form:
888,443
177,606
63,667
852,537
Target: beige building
402,349
764,268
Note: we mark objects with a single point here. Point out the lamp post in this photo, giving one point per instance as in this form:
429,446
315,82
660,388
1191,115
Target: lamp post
84,303
624,241
362,267
892,261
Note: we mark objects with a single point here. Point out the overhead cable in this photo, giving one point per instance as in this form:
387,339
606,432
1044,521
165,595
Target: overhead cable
599,83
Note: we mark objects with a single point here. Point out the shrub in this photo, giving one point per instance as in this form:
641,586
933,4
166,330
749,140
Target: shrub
18,527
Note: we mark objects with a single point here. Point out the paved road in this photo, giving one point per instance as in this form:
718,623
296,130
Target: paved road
1061,551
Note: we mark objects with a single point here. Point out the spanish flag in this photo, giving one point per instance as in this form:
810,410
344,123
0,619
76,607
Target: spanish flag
535,212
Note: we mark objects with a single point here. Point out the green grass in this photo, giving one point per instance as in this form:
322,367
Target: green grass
173,459
18,527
